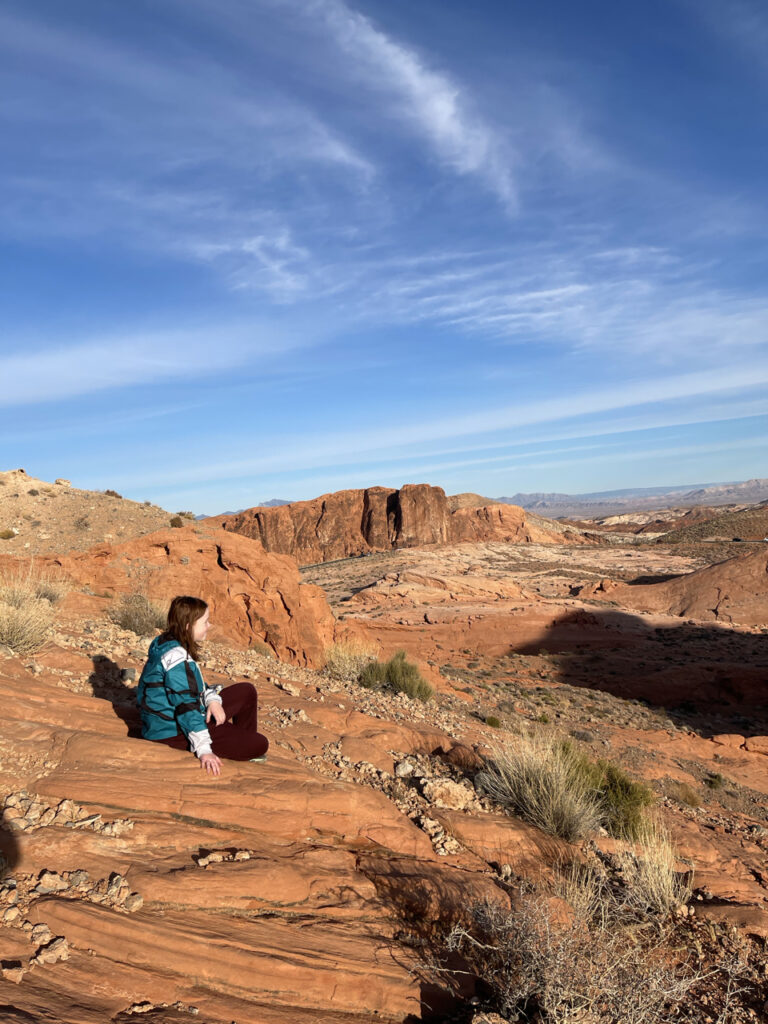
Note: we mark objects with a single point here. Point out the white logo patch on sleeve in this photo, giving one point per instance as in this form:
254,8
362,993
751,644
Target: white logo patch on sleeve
173,657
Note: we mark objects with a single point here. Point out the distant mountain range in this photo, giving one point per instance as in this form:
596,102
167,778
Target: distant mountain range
272,503
608,503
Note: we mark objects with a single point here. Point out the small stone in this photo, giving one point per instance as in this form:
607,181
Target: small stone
77,878
215,857
54,951
50,881
12,970
134,902
403,769
41,934
88,821
242,855
12,914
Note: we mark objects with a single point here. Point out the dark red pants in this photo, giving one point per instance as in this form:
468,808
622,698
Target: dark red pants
238,739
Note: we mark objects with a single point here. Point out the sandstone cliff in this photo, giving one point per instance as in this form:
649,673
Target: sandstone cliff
357,522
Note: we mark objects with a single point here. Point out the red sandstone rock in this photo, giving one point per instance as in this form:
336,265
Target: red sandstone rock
358,522
734,591
254,596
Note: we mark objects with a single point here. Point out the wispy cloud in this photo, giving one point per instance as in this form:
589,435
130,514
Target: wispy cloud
300,453
145,358
433,102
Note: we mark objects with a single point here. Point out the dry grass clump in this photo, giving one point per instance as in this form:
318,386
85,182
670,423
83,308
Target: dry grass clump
27,597
534,777
652,883
138,614
554,785
396,676
347,659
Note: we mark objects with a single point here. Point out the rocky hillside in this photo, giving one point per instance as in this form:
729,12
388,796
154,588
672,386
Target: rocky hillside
320,885
358,522
37,516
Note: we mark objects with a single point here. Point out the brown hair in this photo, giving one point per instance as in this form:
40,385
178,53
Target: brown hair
182,615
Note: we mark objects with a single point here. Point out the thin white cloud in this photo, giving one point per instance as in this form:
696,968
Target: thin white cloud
143,358
431,101
309,451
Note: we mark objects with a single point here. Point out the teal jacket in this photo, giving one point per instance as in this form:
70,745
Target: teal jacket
172,696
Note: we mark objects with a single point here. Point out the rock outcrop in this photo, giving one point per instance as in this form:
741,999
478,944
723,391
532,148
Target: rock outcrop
254,596
357,522
734,591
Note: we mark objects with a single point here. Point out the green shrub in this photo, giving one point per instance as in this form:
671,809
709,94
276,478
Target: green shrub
622,800
715,780
177,522
33,491
7,534
113,494
138,614
397,676
493,721
186,515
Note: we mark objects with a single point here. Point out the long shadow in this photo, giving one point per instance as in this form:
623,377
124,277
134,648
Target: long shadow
706,677
106,680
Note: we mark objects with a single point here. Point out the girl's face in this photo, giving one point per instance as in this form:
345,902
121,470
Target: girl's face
201,626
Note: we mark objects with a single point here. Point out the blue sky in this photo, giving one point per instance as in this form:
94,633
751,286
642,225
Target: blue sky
257,248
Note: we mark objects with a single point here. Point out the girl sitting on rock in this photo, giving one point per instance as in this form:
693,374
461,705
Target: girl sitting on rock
178,709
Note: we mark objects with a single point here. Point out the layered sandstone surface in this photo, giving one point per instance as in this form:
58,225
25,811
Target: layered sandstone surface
359,522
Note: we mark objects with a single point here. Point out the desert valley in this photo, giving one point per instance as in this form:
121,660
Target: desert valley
360,874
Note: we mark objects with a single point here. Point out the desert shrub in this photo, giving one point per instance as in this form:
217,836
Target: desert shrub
25,629
82,523
569,968
347,659
622,801
19,586
714,780
685,794
112,494
33,491
177,522
493,721
138,614
397,676
7,534
186,515
26,613
534,777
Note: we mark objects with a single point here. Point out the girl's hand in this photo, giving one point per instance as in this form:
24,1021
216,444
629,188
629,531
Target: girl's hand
216,712
211,764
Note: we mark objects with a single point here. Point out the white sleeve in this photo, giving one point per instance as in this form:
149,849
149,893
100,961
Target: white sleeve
210,695
201,742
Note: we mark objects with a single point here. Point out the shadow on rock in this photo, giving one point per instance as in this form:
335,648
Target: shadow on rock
426,904
707,677
108,684
9,850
